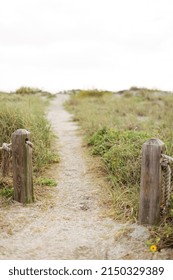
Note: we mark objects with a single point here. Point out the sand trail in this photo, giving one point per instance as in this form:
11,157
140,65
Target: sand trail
71,225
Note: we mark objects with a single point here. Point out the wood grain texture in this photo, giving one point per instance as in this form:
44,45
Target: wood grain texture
150,190
22,166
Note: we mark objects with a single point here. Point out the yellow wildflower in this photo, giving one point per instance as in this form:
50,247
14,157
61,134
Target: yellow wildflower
153,248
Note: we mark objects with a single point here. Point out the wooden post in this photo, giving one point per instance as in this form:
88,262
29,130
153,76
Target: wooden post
150,192
22,166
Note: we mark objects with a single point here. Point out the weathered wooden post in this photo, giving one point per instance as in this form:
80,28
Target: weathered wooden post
22,166
150,192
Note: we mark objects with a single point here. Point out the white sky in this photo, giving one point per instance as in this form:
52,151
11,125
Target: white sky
104,44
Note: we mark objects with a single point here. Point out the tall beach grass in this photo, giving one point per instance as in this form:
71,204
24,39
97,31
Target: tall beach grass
115,126
28,112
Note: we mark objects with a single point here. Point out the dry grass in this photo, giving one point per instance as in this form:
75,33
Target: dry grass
115,127
28,112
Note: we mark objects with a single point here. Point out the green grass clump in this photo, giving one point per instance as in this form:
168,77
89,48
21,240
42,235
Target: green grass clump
7,192
91,93
27,90
42,181
121,153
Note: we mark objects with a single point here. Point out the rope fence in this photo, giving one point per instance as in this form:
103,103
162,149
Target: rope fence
155,189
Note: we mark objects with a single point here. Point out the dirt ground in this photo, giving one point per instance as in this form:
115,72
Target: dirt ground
70,223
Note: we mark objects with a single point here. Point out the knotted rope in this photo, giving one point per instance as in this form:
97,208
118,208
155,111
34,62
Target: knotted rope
6,147
165,163
6,155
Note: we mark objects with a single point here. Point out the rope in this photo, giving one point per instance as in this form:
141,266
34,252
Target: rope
167,187
29,143
165,157
165,163
6,147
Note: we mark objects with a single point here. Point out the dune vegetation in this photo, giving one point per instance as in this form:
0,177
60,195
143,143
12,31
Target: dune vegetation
115,126
28,112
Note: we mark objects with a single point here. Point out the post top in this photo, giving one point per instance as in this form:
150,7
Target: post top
21,131
154,142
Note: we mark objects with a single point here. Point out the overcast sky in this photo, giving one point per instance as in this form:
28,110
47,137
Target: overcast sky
104,44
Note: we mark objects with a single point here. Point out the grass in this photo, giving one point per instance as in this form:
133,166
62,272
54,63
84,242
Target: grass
115,126
28,112
7,192
27,90
33,91
49,182
93,93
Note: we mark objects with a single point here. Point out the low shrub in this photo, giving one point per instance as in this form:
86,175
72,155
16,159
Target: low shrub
27,90
92,93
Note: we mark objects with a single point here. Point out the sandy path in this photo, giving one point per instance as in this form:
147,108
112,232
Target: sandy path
71,227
